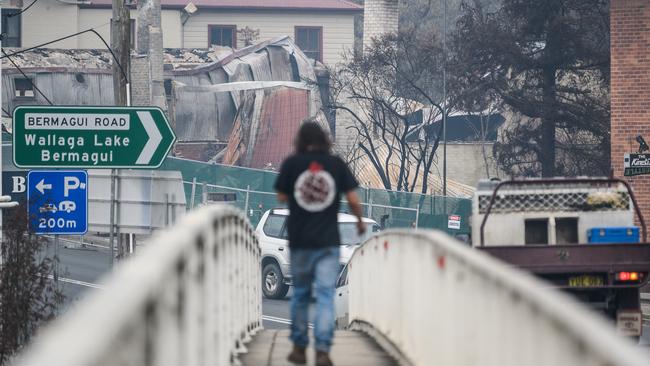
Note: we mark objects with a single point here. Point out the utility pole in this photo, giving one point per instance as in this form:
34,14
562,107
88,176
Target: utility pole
121,46
444,101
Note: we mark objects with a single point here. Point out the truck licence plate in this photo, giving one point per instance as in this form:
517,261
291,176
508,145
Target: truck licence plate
629,323
586,281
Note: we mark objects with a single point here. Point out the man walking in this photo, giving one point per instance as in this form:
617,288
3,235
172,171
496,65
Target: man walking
311,181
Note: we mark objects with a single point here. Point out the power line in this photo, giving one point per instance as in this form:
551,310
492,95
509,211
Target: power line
7,113
27,77
22,11
91,30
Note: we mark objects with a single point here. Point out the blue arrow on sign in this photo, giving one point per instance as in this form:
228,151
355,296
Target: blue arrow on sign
57,201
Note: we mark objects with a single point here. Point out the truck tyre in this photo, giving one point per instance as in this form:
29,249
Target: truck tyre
273,285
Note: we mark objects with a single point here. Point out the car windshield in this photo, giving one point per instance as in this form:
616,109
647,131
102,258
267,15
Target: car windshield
349,234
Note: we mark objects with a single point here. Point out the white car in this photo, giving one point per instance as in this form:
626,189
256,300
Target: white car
48,207
273,236
341,312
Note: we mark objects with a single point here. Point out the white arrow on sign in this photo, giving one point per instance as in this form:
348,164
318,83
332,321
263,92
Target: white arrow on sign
154,138
41,186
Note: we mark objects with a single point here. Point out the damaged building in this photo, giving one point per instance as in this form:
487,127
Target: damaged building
252,101
239,107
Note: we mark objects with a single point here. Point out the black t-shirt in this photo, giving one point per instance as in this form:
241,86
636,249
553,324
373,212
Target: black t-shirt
314,183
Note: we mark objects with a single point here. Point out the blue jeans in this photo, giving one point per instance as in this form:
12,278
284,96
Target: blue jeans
320,267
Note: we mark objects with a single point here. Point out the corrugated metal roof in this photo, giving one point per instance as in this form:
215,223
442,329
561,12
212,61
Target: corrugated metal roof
339,5
222,105
283,110
259,64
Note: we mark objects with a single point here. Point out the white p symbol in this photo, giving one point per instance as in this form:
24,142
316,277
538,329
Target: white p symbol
68,184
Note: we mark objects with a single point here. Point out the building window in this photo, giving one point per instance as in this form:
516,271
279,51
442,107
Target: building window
133,32
275,226
11,27
536,231
222,35
310,41
566,230
23,87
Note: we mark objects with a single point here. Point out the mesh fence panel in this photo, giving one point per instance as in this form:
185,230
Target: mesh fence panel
252,191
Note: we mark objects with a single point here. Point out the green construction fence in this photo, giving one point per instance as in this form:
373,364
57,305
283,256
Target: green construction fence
252,191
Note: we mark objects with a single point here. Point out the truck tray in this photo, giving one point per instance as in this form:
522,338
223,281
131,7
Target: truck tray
581,258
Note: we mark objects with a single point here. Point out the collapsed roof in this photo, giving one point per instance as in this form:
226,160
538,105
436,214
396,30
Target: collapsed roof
265,91
100,60
254,99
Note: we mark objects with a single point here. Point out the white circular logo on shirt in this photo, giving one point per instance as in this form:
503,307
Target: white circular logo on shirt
315,189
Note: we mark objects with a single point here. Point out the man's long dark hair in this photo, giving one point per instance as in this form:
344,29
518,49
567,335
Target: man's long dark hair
312,138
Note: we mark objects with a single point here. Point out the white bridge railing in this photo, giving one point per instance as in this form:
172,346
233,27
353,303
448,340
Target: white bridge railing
432,301
191,297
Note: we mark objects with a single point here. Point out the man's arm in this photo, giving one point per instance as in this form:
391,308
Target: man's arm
283,197
355,207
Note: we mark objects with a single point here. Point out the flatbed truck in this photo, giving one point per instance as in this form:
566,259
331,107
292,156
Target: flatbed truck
548,227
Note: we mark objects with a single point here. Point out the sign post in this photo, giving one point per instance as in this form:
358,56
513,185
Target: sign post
90,137
57,202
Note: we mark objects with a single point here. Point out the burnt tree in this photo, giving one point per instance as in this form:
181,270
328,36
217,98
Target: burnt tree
548,62
380,91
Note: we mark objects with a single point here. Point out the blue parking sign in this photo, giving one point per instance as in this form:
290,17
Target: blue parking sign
58,201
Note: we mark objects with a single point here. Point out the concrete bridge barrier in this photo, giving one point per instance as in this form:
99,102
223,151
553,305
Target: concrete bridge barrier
430,300
191,297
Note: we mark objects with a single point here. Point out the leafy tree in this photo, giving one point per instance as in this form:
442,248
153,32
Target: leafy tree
28,297
547,61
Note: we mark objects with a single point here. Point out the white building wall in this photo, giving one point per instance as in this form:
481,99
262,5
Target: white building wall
48,20
100,19
466,162
51,19
338,28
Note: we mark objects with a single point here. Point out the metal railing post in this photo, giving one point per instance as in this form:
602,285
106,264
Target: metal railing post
166,209
193,193
248,191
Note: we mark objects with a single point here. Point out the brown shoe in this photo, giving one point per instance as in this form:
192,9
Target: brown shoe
297,355
323,359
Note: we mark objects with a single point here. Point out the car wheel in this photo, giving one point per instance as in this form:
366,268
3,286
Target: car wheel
273,285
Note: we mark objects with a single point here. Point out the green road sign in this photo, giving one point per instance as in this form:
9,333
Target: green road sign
90,137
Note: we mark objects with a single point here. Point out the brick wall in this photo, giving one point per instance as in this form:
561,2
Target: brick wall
140,81
630,87
379,16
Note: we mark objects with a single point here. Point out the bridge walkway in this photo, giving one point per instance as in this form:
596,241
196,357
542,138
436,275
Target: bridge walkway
350,348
